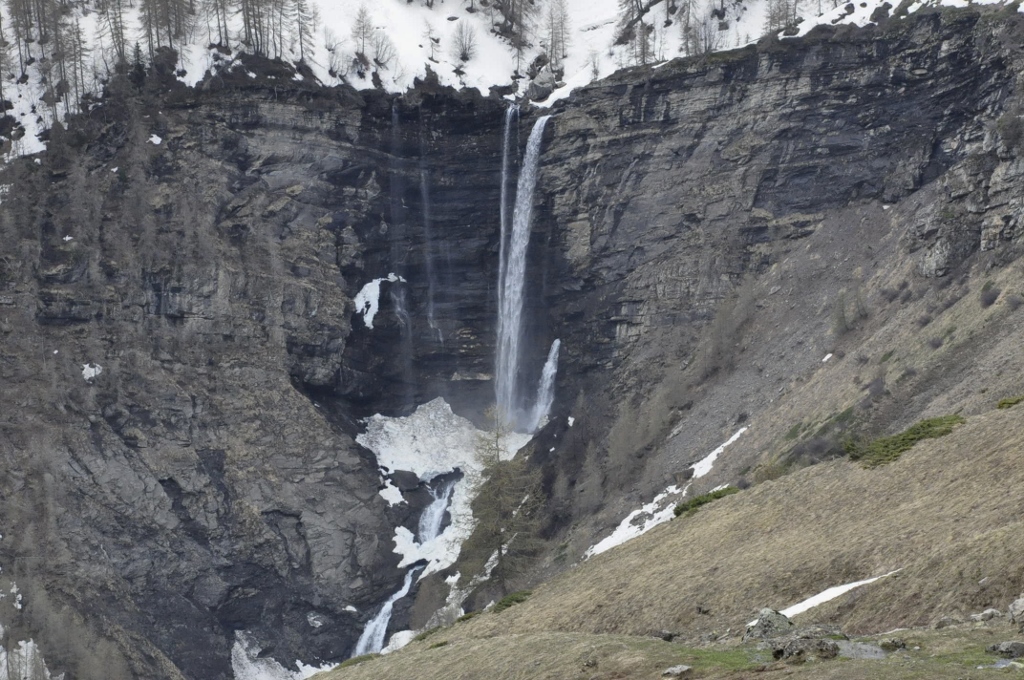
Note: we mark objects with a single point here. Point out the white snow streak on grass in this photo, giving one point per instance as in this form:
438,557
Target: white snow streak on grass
825,596
654,513
661,509
704,466
431,442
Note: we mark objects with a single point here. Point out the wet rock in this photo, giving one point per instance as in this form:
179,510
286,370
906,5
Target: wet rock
1016,610
892,644
1011,650
805,649
860,650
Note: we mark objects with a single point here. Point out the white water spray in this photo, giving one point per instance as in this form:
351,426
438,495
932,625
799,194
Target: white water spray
433,514
546,389
507,151
511,282
372,639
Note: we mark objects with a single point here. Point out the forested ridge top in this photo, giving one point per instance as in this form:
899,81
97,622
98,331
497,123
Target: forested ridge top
56,56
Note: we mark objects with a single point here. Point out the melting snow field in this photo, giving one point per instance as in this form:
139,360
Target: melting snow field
246,663
661,509
433,441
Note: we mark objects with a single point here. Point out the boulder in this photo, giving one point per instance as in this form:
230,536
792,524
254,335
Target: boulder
987,615
769,624
947,621
677,672
892,644
1011,649
1016,610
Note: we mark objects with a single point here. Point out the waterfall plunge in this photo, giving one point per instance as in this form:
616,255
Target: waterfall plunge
512,275
433,514
372,639
546,389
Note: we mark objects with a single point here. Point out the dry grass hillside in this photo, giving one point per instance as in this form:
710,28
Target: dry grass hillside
949,514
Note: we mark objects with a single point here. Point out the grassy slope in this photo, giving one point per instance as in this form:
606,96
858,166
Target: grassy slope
945,513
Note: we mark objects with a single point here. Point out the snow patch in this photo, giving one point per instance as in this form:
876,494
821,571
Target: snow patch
391,493
155,139
826,595
367,300
399,640
434,441
827,357
21,662
640,521
661,509
572,421
68,238
90,371
704,466
246,663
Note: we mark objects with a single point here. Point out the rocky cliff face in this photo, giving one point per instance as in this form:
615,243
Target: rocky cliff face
678,194
204,247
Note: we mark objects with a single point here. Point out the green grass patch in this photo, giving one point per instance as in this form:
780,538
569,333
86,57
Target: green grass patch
888,355
1010,402
734,659
511,599
690,506
425,634
440,643
467,616
794,432
356,660
887,449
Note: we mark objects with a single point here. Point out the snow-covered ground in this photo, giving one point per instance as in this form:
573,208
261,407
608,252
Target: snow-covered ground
662,508
422,37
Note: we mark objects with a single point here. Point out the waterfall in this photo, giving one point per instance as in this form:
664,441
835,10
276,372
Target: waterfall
546,389
428,255
511,282
372,639
433,514
398,239
507,155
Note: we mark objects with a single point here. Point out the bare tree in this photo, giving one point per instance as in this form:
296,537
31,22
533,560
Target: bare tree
557,32
465,41
383,49
432,38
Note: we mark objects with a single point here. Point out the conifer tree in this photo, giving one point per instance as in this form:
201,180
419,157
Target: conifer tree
507,507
